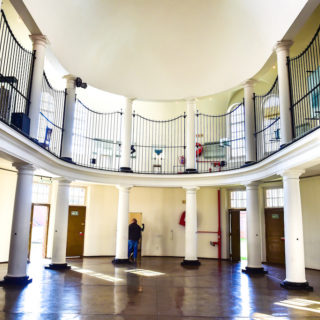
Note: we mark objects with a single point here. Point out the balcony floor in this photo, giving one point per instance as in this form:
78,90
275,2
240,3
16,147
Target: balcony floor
98,290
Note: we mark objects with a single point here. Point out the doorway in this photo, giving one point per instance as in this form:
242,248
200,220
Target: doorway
39,226
275,235
76,227
238,234
138,216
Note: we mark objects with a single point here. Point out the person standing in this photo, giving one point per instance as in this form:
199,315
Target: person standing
134,237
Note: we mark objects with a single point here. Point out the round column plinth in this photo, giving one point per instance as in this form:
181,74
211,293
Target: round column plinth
15,281
120,261
58,266
126,169
249,270
296,285
188,263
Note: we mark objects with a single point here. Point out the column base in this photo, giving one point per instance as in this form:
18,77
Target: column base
58,266
187,263
67,159
248,163
125,169
249,270
120,261
15,281
191,171
296,285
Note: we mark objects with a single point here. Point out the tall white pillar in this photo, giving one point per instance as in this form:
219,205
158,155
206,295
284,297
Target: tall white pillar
253,230
59,248
191,137
68,121
293,232
39,43
282,50
19,243
250,141
126,137
122,226
191,245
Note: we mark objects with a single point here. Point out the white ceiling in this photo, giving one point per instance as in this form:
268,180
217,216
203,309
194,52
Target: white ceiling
164,50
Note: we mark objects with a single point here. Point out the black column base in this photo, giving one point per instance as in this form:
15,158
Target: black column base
249,270
188,263
296,285
15,281
67,159
120,261
125,169
248,163
191,171
58,266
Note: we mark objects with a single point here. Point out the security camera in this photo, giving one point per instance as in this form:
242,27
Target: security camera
80,84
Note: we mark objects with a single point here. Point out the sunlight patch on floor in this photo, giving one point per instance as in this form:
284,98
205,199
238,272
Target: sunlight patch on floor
301,304
145,273
96,274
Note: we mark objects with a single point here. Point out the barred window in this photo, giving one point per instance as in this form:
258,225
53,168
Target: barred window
40,193
238,199
274,198
77,196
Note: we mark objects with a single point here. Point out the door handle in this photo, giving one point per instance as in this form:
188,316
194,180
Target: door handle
81,233
282,238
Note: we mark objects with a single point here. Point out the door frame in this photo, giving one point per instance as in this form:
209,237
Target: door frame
47,228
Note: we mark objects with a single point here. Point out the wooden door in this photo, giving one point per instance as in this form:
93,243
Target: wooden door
275,235
45,213
76,226
234,218
138,216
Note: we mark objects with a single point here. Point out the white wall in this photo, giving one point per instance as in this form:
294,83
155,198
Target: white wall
8,182
310,190
161,210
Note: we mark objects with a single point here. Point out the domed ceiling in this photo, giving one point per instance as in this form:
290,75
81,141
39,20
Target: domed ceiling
164,50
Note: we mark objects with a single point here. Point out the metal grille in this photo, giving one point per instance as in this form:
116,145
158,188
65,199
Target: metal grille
267,115
96,138
158,146
220,140
16,65
304,75
51,117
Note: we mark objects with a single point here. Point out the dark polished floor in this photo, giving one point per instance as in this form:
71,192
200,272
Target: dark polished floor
95,289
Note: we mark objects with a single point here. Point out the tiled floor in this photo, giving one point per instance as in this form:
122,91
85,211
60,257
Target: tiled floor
95,289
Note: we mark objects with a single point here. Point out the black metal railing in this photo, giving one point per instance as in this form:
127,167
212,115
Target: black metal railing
220,140
158,146
267,126
96,138
51,117
16,64
304,76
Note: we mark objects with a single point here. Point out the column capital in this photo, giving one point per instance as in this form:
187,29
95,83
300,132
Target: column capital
249,83
125,187
283,45
70,78
63,181
251,184
191,188
292,174
130,99
39,39
24,167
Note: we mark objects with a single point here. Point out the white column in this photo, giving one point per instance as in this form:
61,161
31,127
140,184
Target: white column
253,230
191,137
122,226
126,137
282,50
19,243
191,245
293,232
68,122
61,227
39,43
249,122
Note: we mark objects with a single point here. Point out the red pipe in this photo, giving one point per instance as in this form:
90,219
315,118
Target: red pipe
219,224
